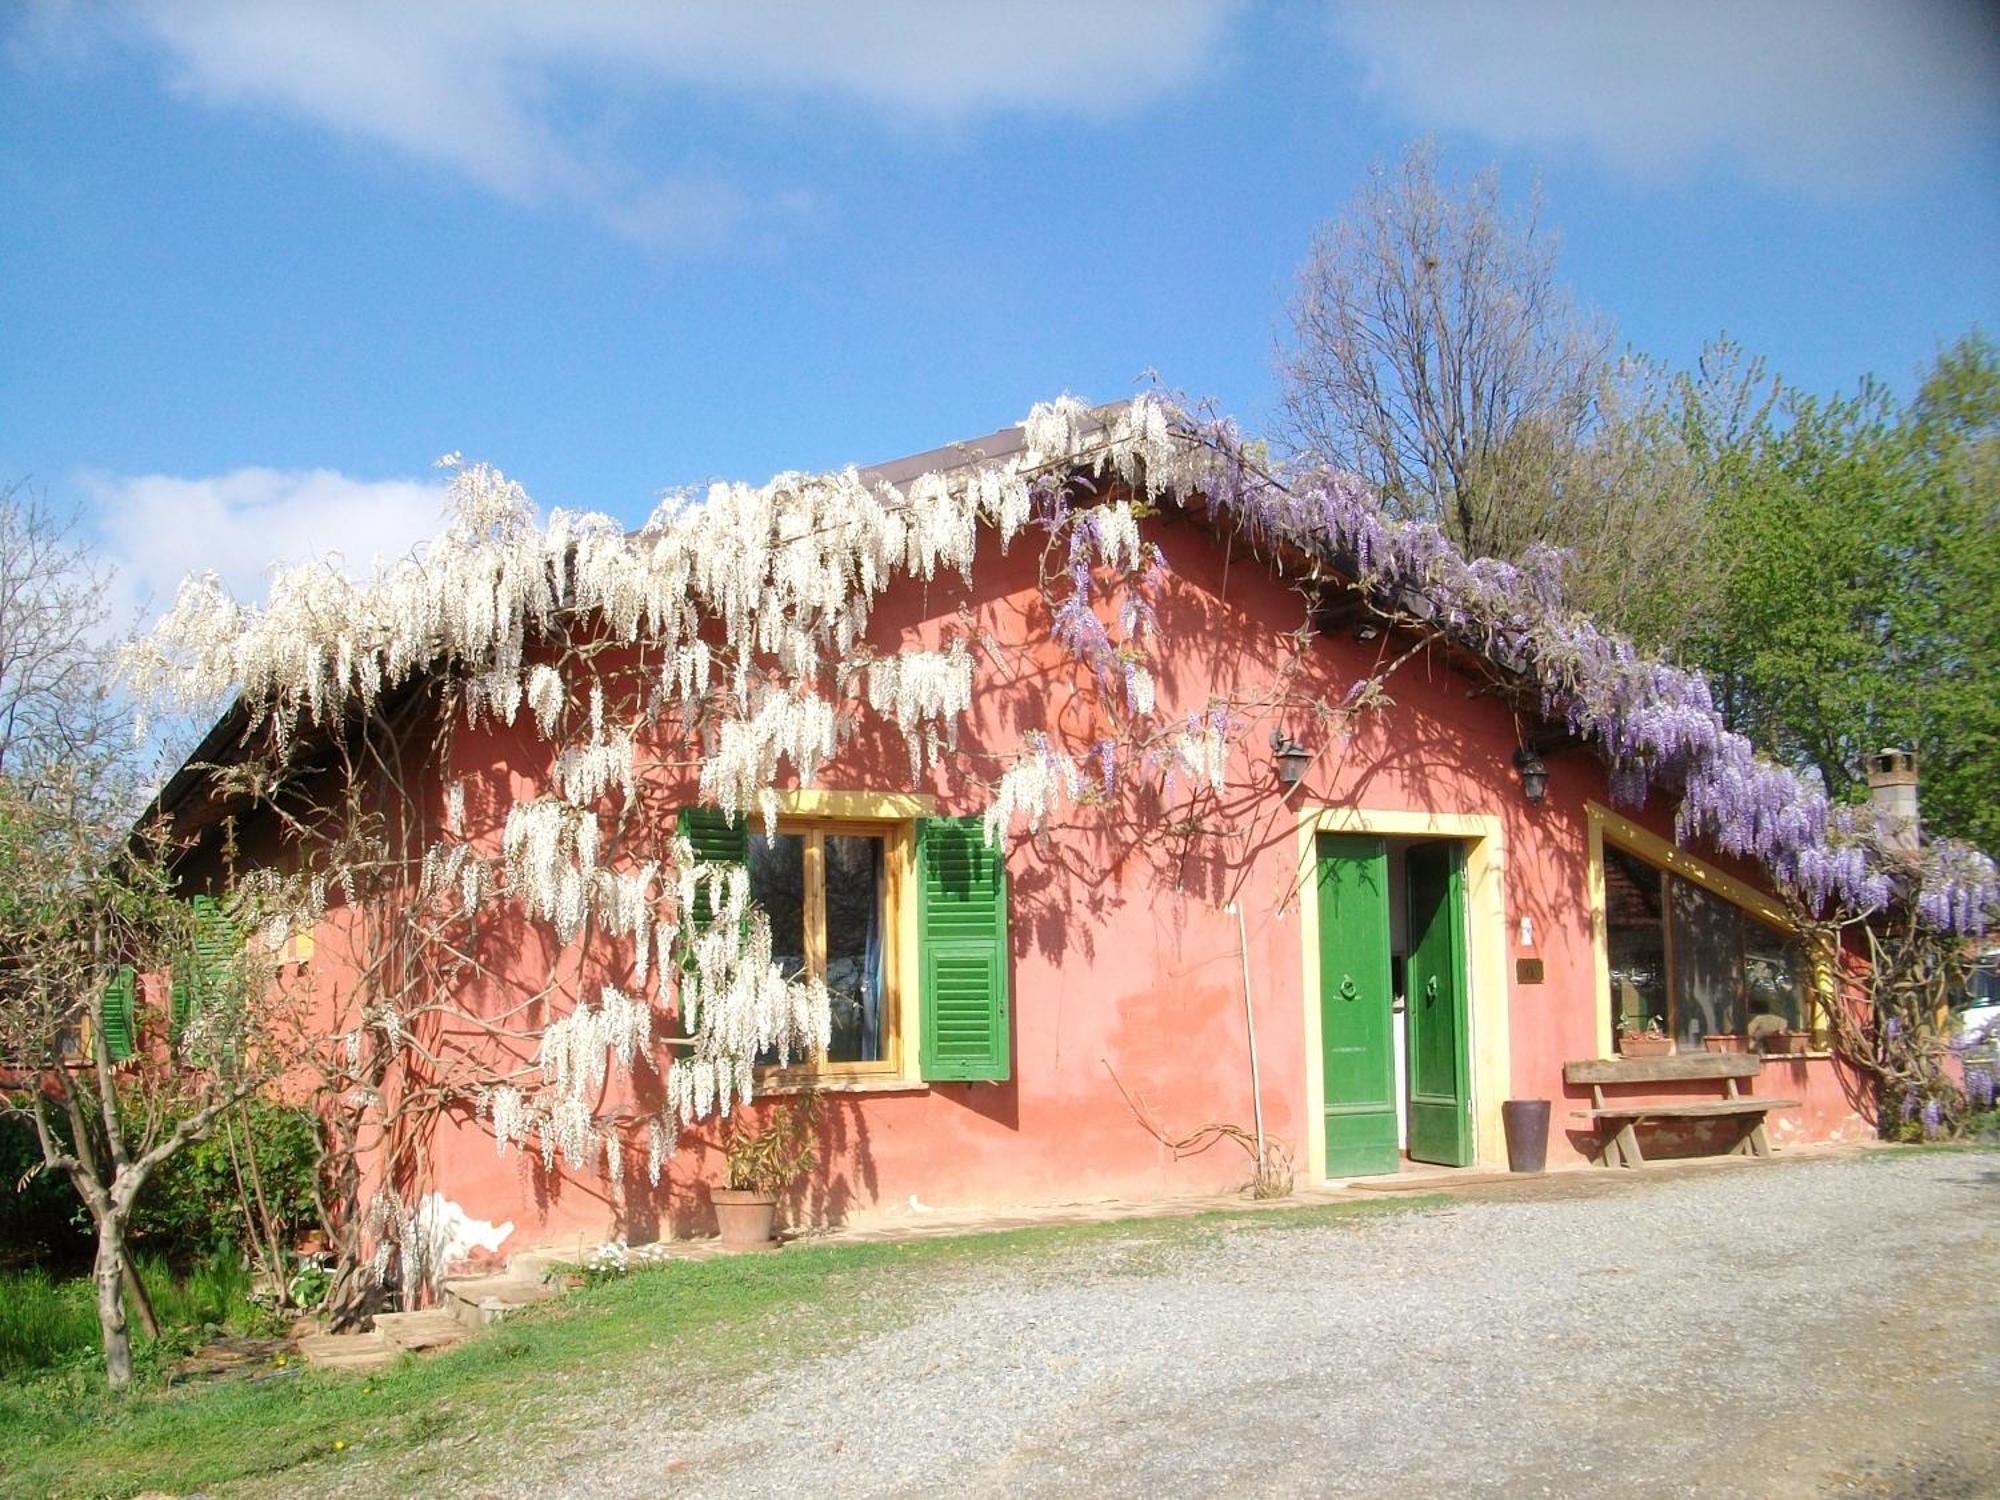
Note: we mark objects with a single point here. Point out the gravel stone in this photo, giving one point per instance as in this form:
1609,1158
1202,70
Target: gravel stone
1802,1327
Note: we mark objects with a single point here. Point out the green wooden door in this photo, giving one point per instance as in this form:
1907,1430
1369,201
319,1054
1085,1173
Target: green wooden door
1439,1068
1359,1065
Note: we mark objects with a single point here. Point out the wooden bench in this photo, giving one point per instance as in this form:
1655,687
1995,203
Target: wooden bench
1621,1144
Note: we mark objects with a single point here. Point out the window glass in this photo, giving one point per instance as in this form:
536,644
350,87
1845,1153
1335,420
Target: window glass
1698,964
1708,964
778,885
855,867
1774,980
1637,932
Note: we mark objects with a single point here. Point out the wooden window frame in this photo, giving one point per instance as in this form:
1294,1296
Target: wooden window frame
1610,828
899,1060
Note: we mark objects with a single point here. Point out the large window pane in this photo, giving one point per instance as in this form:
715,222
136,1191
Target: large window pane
1708,964
1638,944
778,885
855,886
1774,980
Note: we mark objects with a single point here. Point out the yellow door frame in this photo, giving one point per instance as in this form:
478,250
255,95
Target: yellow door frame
1486,1003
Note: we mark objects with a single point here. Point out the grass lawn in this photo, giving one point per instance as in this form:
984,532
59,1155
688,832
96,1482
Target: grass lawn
47,1323
297,1431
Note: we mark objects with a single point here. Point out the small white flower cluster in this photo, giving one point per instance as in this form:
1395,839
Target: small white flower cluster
798,726
1201,748
1032,788
615,1257
923,693
550,850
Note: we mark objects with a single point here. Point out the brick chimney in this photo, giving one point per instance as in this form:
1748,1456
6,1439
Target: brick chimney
1892,788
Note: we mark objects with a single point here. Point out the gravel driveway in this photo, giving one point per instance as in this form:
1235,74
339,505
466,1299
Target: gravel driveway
1770,1329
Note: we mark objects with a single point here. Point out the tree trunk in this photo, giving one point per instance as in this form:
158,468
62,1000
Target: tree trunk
142,1302
110,1278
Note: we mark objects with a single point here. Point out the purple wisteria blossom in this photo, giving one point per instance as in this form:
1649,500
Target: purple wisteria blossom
1656,724
1979,1088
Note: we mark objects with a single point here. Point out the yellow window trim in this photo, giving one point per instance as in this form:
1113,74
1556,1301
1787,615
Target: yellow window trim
1623,833
892,815
871,807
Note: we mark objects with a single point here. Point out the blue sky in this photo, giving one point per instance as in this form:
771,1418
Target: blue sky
260,263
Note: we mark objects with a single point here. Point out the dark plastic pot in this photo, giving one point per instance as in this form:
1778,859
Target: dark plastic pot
1527,1122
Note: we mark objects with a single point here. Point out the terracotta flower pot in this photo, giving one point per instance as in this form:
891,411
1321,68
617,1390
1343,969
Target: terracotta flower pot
746,1219
1789,1043
1723,1041
1644,1044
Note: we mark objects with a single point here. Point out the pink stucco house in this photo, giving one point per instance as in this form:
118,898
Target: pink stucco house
1371,931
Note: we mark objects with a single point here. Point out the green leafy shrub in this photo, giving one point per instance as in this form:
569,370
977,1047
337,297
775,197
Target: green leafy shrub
39,1210
192,1206
770,1158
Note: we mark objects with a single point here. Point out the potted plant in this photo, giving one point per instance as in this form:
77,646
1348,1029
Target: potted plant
1788,1043
762,1162
1725,1041
1652,1042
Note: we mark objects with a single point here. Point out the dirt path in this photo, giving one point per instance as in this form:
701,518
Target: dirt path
1773,1329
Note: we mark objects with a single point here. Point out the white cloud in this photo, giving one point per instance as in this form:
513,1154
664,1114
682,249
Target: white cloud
1831,97
157,529
513,93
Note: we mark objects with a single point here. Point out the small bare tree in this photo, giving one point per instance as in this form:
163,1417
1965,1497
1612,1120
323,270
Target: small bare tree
1434,353
91,927
54,648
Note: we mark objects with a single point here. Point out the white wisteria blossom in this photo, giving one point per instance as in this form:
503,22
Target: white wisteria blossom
727,641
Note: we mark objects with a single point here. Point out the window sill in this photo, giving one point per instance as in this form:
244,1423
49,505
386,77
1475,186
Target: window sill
836,1083
1769,1057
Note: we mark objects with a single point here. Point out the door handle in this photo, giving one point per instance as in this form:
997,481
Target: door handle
1347,990
1431,990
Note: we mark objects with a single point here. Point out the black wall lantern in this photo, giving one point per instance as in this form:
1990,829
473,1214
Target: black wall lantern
1291,759
1534,775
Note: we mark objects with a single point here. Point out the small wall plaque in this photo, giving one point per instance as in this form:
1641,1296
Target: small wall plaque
1527,971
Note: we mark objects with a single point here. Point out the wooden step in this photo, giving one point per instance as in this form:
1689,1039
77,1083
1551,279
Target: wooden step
477,1301
433,1328
348,1351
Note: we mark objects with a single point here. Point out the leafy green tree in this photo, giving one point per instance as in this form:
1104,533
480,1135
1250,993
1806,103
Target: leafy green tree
1846,589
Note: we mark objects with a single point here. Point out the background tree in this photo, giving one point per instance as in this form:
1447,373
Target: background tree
92,927
1844,576
1434,353
91,930
55,702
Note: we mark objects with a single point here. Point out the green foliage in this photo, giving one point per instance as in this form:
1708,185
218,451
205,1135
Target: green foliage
188,1210
192,1206
44,1321
49,1322
1843,587
776,1154
40,1218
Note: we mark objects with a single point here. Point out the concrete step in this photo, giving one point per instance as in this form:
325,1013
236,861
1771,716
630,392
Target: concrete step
433,1328
356,1352
477,1301
537,1265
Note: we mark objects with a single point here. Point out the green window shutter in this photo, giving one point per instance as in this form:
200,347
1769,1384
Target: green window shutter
718,839
215,949
180,1008
962,952
120,1015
